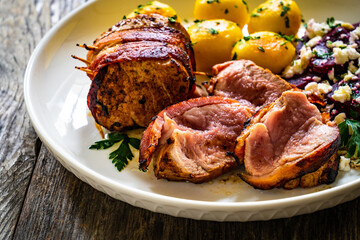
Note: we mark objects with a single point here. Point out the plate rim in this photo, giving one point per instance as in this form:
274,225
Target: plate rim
141,194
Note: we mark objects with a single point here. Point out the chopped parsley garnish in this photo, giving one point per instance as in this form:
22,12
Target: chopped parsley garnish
193,43
124,17
122,155
213,31
173,18
288,38
254,15
234,56
198,21
261,9
285,9
137,12
350,141
247,38
287,22
226,11
185,20
331,22
212,1
245,3
261,48
235,6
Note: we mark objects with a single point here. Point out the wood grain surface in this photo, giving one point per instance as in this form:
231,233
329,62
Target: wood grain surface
39,199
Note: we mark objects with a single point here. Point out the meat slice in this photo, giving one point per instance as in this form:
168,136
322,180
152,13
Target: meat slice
246,82
284,141
194,140
136,82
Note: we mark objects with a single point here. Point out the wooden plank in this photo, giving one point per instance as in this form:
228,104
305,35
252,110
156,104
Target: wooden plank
23,23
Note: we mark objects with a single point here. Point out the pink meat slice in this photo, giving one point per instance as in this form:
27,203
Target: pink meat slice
194,140
246,82
285,140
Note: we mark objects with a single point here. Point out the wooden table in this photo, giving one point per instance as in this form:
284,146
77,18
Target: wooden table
39,199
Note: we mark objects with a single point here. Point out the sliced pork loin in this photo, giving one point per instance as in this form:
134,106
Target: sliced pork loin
246,82
194,140
285,140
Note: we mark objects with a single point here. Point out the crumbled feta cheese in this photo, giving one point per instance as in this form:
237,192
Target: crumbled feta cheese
324,88
312,42
349,76
339,118
331,74
354,35
352,68
311,87
338,44
343,94
341,56
299,65
316,78
344,164
317,29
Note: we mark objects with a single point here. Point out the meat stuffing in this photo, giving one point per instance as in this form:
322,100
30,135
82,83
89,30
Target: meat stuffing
138,67
194,140
246,82
286,140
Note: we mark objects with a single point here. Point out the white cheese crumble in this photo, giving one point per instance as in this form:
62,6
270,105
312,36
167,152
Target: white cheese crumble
343,94
349,76
338,44
344,164
299,65
331,75
312,42
354,35
324,88
341,56
317,29
339,118
318,89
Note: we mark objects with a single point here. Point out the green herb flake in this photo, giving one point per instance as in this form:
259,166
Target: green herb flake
124,17
212,1
350,141
285,9
261,48
261,9
247,38
234,56
137,12
287,22
331,22
226,11
173,18
213,31
123,154
185,20
245,3
254,15
198,21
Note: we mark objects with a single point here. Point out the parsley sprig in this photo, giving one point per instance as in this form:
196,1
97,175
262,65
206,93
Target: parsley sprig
123,154
331,22
350,136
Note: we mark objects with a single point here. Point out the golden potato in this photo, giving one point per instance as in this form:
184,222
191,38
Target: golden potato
233,10
213,41
155,7
279,16
267,49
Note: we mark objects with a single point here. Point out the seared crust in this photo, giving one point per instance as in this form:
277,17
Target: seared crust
126,94
141,50
326,174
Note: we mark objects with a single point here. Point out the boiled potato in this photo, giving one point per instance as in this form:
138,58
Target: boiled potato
155,7
232,10
279,16
213,41
266,49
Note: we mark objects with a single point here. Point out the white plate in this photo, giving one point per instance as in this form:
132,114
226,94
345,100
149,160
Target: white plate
55,95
